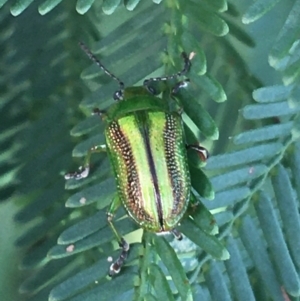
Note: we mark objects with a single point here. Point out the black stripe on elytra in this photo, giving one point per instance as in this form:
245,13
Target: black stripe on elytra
144,128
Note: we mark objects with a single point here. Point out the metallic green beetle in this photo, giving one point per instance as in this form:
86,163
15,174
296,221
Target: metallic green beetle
146,147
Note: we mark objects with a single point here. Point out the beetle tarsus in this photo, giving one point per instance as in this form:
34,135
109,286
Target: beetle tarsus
97,111
82,172
150,89
177,234
117,265
180,85
119,95
185,69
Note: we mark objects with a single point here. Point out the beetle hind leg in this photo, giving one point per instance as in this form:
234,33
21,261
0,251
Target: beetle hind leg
115,267
177,234
98,112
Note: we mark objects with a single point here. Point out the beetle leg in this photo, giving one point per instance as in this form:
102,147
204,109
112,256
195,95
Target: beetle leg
83,171
180,85
203,152
115,268
150,89
185,69
177,234
117,265
98,112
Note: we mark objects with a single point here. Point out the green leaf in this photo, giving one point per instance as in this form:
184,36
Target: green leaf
245,156
88,277
207,20
2,2
287,205
38,231
160,283
131,4
82,148
98,238
82,6
260,111
256,249
295,167
198,115
149,297
237,272
37,281
109,6
218,5
208,243
19,6
258,9
83,228
287,35
201,183
240,34
272,93
291,73
239,176
170,260
47,6
87,125
107,290
278,248
216,283
203,218
212,87
42,202
102,192
265,133
38,257
80,281
229,197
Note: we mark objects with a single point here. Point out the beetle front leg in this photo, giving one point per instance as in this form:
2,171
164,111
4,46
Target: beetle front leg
117,265
84,170
180,85
185,69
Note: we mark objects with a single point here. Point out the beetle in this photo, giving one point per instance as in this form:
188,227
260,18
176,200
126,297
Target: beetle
145,143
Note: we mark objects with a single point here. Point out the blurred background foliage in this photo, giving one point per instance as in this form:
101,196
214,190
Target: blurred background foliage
247,53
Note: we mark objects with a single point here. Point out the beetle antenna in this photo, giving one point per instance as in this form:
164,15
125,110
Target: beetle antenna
186,68
93,58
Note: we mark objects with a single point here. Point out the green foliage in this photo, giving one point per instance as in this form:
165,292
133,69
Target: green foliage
64,239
